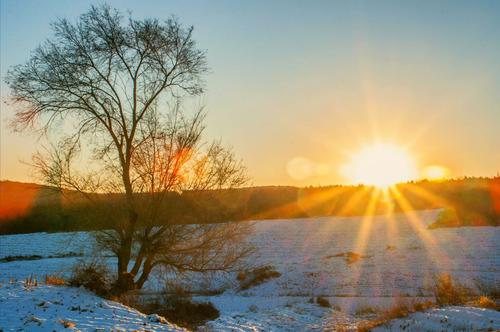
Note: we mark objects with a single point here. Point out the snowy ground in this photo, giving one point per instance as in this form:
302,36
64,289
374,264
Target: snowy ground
49,308
400,258
446,319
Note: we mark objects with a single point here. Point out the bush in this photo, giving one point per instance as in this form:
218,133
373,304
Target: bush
448,292
92,276
323,302
256,277
184,312
175,304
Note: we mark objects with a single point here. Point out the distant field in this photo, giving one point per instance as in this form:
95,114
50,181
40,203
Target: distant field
397,257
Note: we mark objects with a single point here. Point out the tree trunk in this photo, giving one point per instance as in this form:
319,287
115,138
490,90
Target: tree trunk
146,270
123,282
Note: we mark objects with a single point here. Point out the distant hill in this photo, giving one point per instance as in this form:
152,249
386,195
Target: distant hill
18,198
29,207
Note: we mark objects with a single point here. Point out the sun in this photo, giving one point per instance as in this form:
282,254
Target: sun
381,165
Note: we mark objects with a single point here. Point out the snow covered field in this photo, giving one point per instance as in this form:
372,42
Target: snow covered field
52,308
398,259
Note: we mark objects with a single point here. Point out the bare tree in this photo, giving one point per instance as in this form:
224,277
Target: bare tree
119,83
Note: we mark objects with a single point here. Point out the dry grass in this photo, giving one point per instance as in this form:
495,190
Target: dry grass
349,256
486,303
489,289
398,310
446,291
422,306
256,276
67,324
54,280
30,282
366,310
449,292
368,326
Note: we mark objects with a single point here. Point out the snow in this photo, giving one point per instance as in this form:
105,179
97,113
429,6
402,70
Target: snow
399,260
47,308
446,319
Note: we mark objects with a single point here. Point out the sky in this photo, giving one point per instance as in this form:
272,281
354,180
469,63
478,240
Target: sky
297,87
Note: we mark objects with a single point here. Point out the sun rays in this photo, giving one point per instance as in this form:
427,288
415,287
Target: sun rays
381,165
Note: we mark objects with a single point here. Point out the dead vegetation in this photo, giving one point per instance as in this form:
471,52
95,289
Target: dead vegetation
93,276
257,276
366,310
350,257
486,303
398,310
67,324
490,289
446,292
54,280
175,304
323,302
450,292
30,282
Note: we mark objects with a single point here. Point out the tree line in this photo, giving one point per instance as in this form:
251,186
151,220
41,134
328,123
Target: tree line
467,202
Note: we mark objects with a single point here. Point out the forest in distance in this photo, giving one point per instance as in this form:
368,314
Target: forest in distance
29,208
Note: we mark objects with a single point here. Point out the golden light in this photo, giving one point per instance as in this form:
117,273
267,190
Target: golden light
381,165
435,172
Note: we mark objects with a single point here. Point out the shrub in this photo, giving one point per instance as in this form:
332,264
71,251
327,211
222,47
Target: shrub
257,276
323,302
448,292
54,280
92,276
175,305
187,313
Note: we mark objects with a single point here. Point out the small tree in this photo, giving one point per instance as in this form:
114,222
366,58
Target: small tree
120,84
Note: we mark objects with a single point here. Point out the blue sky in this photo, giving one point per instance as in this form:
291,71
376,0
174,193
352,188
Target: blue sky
317,79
